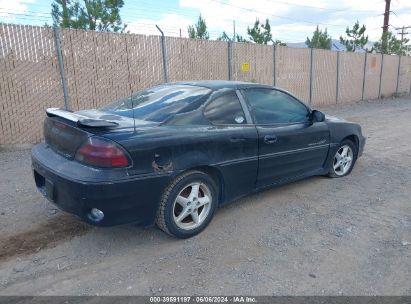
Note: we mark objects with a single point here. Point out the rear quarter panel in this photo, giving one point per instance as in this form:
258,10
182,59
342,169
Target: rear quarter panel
231,150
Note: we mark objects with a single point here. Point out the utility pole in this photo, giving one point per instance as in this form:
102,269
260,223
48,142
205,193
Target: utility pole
402,33
386,22
234,30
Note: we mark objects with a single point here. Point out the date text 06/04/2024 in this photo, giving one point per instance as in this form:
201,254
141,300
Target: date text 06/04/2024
202,299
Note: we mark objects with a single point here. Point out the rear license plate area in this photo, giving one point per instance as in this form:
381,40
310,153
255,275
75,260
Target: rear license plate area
44,185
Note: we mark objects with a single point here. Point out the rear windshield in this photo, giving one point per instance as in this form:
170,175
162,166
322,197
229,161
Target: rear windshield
159,103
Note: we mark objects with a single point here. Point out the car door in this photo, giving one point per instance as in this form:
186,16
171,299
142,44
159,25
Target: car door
233,146
289,143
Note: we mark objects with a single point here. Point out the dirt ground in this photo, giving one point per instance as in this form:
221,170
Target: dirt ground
319,236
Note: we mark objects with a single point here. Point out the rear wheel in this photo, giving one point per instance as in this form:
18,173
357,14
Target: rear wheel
343,160
188,204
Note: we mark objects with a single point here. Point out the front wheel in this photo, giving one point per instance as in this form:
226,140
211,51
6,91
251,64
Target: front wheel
188,204
343,160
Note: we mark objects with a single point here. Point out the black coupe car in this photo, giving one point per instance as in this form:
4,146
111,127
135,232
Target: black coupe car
173,153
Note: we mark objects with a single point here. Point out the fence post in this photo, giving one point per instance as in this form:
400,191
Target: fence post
311,76
337,88
398,74
61,67
381,70
274,77
230,59
163,52
363,79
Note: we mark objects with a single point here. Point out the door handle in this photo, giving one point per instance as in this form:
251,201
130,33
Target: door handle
270,139
236,139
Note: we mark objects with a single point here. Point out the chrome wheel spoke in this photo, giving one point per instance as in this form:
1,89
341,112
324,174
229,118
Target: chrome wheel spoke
182,201
182,215
202,201
194,190
337,165
194,216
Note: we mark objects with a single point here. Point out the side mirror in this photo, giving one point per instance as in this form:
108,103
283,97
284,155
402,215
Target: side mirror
317,116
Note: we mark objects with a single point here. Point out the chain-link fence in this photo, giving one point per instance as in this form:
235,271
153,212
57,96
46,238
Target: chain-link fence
29,82
42,67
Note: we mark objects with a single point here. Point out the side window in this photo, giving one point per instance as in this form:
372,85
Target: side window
225,109
273,107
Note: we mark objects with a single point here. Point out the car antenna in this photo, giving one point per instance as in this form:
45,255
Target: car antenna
132,109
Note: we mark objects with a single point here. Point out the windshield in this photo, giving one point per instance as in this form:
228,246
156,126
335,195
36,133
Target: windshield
159,103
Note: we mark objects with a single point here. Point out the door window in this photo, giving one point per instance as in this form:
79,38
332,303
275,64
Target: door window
225,109
269,106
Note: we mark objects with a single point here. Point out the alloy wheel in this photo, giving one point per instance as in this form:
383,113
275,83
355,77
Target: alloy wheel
192,205
343,160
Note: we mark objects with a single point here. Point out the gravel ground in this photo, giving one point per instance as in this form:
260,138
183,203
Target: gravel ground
319,236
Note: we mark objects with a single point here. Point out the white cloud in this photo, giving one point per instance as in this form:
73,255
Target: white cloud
291,20
287,25
9,8
169,23
220,16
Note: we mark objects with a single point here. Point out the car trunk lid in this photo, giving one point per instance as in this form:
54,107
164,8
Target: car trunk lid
66,131
63,136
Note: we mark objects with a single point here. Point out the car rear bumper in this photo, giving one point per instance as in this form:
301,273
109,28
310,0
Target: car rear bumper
77,189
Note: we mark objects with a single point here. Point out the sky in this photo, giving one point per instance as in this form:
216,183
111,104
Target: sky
291,20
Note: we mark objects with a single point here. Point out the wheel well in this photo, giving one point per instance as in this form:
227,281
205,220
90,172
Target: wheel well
216,175
355,140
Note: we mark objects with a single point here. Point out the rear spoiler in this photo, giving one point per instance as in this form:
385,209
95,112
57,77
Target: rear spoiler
79,119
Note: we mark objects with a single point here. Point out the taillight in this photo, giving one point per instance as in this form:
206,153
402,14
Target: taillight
100,152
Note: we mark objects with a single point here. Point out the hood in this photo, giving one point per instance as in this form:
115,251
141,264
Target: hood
334,118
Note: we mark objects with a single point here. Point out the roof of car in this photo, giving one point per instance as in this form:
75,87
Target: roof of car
220,84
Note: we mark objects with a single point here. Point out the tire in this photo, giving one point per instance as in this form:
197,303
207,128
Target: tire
185,211
347,163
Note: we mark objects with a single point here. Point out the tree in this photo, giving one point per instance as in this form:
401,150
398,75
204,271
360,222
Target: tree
60,13
239,38
279,42
225,37
392,45
199,30
260,33
96,15
356,38
319,40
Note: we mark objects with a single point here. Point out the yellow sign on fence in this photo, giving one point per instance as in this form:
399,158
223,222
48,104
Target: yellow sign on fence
245,66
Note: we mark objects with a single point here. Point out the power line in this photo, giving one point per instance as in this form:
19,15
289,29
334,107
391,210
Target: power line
323,8
191,14
280,17
149,27
45,17
25,16
172,29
